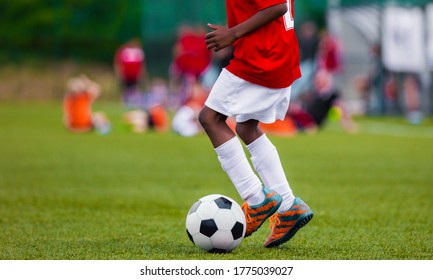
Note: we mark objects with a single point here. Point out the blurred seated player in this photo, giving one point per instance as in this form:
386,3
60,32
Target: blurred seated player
311,112
140,120
137,120
77,106
129,65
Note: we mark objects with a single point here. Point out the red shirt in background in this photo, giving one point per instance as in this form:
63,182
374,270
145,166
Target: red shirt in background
129,61
192,55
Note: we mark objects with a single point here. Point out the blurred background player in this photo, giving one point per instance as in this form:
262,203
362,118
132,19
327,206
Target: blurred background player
140,120
412,98
191,58
312,110
315,107
129,66
81,92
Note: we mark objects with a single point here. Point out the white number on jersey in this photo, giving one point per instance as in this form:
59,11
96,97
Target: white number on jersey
289,19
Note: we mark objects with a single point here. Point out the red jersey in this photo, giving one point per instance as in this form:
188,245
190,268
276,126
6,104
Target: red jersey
193,56
268,56
130,61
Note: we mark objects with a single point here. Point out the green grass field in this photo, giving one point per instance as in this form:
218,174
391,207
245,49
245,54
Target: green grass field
125,196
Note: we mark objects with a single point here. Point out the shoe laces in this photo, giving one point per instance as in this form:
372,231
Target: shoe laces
274,221
245,208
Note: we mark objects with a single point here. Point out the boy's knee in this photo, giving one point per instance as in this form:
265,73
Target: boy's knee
243,130
208,117
248,131
202,117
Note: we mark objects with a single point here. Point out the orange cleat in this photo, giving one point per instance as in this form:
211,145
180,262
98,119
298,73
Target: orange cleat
285,225
256,215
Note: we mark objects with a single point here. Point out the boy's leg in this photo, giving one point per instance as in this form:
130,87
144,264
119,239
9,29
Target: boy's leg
234,162
267,163
293,213
260,202
215,126
230,153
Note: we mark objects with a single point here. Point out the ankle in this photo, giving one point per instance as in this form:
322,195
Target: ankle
256,198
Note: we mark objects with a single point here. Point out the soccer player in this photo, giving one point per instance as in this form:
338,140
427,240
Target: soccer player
77,106
255,87
312,112
129,65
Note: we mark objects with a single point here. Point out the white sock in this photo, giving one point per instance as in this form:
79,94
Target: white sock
267,163
234,162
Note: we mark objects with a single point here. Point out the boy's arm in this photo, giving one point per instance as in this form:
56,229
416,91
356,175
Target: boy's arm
223,37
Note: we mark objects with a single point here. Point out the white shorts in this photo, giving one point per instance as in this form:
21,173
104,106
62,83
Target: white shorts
233,96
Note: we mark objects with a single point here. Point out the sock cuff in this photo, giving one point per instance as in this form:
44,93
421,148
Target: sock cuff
260,149
259,145
230,153
229,147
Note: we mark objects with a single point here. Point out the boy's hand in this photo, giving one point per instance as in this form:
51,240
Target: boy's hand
220,38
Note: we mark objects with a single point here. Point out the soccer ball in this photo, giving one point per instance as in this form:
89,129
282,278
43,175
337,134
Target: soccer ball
216,224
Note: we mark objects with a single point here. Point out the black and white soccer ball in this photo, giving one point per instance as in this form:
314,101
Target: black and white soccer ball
216,224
